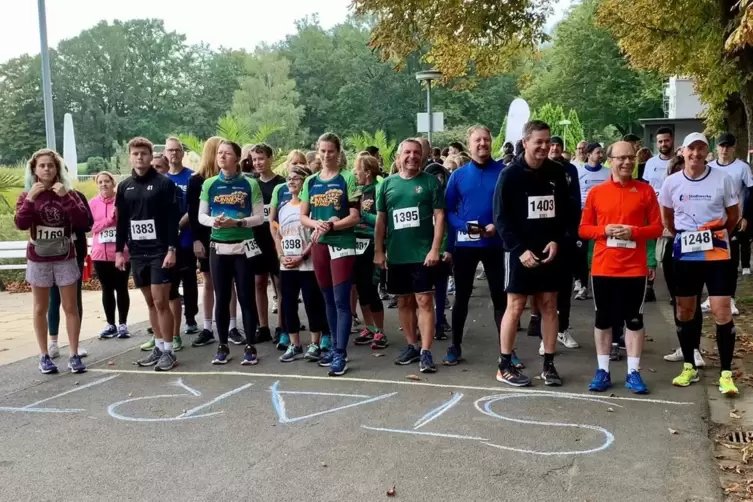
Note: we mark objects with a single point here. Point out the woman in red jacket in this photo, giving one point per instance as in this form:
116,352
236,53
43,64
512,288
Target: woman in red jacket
49,209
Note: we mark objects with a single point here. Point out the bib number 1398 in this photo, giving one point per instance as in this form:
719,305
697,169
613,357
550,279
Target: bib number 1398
541,206
406,218
692,242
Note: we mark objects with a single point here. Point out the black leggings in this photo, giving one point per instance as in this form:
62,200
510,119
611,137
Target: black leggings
368,292
580,262
114,282
224,270
293,282
465,260
567,255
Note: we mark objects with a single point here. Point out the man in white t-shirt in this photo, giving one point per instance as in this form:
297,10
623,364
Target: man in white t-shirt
656,167
580,158
700,208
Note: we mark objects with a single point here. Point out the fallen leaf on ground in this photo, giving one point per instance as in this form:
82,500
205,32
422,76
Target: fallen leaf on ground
747,453
731,488
652,370
324,464
537,377
413,377
391,491
649,339
732,414
731,446
111,363
377,354
672,431
610,410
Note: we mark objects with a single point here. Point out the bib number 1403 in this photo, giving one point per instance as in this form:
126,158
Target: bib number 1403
541,206
692,242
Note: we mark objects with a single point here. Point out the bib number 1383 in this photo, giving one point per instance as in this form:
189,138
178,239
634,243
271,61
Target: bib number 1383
143,230
541,206
406,218
692,242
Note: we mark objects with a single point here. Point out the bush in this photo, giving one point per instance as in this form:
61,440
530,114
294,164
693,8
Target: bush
96,165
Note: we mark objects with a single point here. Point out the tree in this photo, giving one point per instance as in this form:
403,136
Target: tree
571,133
233,129
387,147
96,165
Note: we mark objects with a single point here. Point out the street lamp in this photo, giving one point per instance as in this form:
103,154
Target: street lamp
428,76
564,138
49,123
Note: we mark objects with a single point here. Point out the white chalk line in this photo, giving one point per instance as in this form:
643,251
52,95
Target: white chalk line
387,382
438,411
71,391
182,385
215,400
424,433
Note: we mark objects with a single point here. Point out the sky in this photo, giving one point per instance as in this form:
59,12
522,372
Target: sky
228,23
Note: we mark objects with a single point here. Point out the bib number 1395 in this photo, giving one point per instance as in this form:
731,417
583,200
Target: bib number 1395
692,242
541,206
406,218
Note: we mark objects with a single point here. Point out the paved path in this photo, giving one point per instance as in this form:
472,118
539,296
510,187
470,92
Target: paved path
281,432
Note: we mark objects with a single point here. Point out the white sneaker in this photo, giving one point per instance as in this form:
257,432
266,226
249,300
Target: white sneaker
675,356
746,271
699,362
581,294
53,350
481,276
578,286
706,306
733,307
567,340
541,349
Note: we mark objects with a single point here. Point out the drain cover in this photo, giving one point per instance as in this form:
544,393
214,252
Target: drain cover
740,437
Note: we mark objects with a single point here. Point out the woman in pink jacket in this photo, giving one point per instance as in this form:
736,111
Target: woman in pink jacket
114,282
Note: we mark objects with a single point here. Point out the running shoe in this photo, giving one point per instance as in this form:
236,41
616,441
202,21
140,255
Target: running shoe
234,336
339,365
550,376
453,357
148,345
634,382
699,362
426,362
365,337
177,343
577,286
263,334
621,343
380,341
516,361
293,353
733,307
205,338
601,382
383,294
675,356
326,358
650,295
451,286
222,356
689,375
446,324
706,306
123,331
274,305
513,376
356,322
151,359
191,329
46,366
746,271
408,355
727,385
82,352
277,335
566,339
75,364
326,344
53,350
166,362
481,275
581,293
313,353
614,354
534,326
393,303
250,357
439,332
283,342
110,331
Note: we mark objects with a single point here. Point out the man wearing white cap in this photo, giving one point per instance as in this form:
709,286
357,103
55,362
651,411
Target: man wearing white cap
700,208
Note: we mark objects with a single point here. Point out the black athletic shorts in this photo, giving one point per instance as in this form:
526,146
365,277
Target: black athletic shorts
267,263
148,271
618,299
691,276
410,278
185,260
520,280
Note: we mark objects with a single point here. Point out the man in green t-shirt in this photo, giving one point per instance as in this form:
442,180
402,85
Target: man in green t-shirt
410,214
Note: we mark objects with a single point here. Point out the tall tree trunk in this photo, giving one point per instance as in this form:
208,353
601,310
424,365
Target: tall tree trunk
745,138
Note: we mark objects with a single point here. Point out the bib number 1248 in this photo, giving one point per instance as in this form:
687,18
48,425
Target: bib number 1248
692,242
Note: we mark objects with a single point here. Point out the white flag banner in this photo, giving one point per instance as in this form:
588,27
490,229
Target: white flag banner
517,117
69,147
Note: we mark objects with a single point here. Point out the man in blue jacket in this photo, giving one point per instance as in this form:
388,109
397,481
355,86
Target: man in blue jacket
469,198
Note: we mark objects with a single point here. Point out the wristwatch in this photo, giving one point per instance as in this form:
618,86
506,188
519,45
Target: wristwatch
170,249
239,223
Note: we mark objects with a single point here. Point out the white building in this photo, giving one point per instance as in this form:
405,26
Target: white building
682,109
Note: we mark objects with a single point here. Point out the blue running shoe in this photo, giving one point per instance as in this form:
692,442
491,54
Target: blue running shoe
338,366
46,366
109,332
634,382
453,356
75,364
222,356
426,364
123,331
601,382
326,360
516,361
284,341
326,344
249,356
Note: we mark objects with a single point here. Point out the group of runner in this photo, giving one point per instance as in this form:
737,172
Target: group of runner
328,234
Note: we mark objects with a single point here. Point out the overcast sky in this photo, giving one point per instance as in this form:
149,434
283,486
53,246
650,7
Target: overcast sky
237,24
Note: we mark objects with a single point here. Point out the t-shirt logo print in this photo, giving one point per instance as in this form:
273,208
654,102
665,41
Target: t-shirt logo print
51,214
230,199
331,197
419,189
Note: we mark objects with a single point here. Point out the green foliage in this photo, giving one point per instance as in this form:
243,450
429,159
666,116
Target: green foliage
572,133
387,147
96,165
233,129
10,180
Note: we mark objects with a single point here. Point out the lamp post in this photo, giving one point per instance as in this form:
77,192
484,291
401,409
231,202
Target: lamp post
564,139
428,76
49,123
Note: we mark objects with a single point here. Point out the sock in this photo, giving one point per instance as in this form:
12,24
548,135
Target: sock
373,329
603,361
417,345
232,323
505,361
686,335
168,347
208,324
425,350
548,359
725,342
158,343
633,364
53,341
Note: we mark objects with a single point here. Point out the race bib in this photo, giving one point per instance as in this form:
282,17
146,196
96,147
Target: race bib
692,242
406,218
464,236
540,206
251,248
49,233
336,252
362,245
143,230
266,212
614,242
292,245
107,235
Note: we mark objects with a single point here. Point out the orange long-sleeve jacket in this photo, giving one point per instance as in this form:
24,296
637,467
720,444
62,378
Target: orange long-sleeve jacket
613,203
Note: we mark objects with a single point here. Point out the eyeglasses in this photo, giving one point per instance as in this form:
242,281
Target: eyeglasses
623,158
294,178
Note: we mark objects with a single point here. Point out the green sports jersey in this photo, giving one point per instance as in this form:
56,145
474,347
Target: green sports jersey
365,227
328,198
409,205
235,198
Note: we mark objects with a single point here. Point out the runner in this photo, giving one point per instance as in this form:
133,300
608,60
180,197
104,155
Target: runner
406,205
329,206
469,197
231,204
620,216
49,209
297,277
111,280
581,158
148,213
531,207
700,207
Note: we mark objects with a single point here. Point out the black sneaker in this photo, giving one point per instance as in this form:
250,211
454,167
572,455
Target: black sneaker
650,295
550,376
445,324
383,294
614,354
234,336
534,326
393,303
512,376
408,355
206,337
263,334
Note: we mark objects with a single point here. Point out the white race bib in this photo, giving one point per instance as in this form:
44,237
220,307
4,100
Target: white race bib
614,242
251,248
266,211
464,236
406,218
692,242
540,206
143,230
362,245
50,233
107,235
292,245
335,252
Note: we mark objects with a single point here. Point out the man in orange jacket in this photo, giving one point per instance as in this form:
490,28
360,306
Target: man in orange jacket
620,215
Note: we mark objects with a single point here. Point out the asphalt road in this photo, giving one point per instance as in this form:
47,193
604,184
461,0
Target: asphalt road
282,432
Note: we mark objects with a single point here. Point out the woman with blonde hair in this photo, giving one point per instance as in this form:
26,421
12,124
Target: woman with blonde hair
281,195
49,209
450,163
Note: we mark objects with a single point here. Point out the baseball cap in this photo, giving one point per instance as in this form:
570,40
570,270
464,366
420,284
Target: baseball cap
556,140
693,137
727,139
